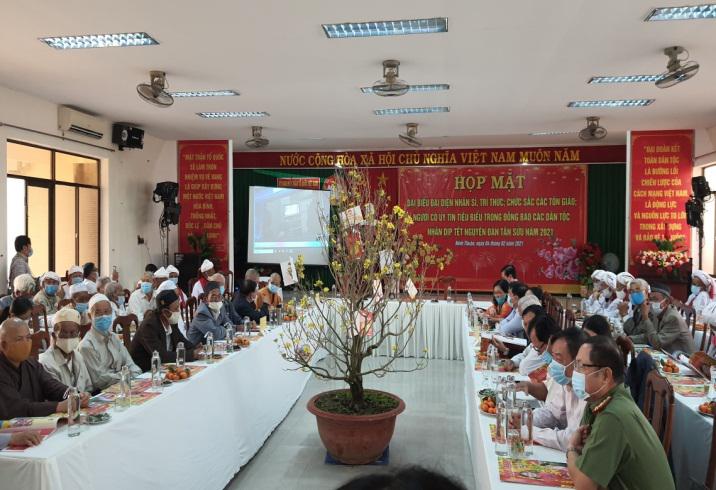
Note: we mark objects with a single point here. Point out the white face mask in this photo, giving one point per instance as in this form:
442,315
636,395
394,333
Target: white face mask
67,345
607,293
621,295
656,308
215,306
174,319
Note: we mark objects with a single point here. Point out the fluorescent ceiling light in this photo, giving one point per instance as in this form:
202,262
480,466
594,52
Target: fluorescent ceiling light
688,12
552,133
122,40
386,28
626,79
221,115
433,87
205,93
611,103
410,110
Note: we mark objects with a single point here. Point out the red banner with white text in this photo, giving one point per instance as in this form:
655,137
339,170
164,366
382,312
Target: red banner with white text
534,217
204,196
661,170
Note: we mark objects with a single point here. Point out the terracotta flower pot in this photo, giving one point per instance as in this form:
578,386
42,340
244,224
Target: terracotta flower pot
355,439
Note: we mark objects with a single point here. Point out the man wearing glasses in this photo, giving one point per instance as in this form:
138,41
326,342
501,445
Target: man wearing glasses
26,389
615,447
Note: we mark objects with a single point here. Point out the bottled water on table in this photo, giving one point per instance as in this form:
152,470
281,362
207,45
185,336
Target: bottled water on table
526,429
73,412
247,325
229,338
181,354
124,398
501,428
156,371
449,293
209,337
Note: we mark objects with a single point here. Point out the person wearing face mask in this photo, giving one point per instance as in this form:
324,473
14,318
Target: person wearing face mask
115,293
26,389
702,291
665,328
624,307
499,308
205,271
74,276
228,305
63,360
615,446
80,301
272,294
90,272
596,300
159,332
540,328
104,352
512,323
638,297
47,295
244,302
23,287
210,316
140,300
253,275
19,263
608,303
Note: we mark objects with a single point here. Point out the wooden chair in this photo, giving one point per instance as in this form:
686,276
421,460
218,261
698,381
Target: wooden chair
191,283
569,319
127,294
125,322
63,302
659,406
40,343
191,305
627,347
444,283
38,311
707,336
229,277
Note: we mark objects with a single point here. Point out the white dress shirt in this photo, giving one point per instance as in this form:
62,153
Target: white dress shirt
560,416
139,304
197,290
104,356
70,371
528,360
698,301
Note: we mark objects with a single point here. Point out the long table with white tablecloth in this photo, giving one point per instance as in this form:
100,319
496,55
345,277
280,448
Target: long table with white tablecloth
196,434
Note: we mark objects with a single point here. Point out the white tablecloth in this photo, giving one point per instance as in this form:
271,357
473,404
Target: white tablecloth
438,328
196,434
482,449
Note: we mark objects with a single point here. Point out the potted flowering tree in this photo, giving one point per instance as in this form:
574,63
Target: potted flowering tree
373,256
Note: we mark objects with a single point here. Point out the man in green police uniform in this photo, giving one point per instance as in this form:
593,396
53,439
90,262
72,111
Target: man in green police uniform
615,447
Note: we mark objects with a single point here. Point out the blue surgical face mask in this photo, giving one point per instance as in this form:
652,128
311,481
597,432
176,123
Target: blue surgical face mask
546,357
656,308
273,288
636,298
175,280
51,289
30,253
81,307
146,287
221,290
509,300
76,280
102,323
120,300
501,299
579,385
695,289
557,373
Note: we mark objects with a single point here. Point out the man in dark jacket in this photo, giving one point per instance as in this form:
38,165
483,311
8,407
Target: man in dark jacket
210,316
26,389
244,302
159,332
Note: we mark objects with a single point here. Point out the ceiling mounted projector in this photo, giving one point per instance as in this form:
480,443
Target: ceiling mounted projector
593,131
155,92
677,69
256,141
390,85
410,137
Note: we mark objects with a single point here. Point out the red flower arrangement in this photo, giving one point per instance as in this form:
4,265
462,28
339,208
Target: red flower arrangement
661,260
589,257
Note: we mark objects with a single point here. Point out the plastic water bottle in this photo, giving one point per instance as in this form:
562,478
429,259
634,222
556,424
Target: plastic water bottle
209,346
73,412
526,429
501,428
229,338
156,371
124,398
449,294
181,354
247,325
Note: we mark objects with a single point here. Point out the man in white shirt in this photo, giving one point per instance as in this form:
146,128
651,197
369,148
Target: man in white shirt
140,300
80,300
206,269
536,355
74,276
103,351
63,360
562,412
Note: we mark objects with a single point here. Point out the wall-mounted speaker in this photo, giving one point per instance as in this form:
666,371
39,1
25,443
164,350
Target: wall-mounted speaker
126,136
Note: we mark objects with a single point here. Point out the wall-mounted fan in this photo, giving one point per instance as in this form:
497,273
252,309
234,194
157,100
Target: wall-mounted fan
410,136
593,131
677,69
155,92
256,141
390,85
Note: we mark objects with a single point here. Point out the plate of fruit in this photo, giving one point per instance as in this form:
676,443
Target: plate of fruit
669,366
241,341
707,408
488,403
176,373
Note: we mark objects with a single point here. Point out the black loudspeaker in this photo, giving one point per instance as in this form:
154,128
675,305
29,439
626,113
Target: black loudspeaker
126,136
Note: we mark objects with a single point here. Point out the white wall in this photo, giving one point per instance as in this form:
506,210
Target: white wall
127,181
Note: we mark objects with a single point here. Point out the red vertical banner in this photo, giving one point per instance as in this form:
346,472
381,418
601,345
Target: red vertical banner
661,169
531,216
204,195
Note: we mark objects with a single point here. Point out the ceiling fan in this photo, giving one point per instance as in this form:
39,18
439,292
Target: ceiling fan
677,69
410,137
390,85
593,131
256,141
155,92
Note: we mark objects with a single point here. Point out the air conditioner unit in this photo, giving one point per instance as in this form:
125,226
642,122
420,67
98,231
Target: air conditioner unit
79,122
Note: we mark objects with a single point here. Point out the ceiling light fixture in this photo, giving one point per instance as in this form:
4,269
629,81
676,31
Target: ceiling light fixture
88,41
687,12
410,110
386,28
625,79
205,93
432,87
222,115
610,103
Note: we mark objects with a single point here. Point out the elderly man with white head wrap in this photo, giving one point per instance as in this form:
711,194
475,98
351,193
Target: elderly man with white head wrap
624,308
80,301
596,301
104,352
47,295
23,286
63,360
639,291
140,301
206,269
170,285
702,291
74,276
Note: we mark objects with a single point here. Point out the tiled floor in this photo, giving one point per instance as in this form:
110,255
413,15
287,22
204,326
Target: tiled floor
431,433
